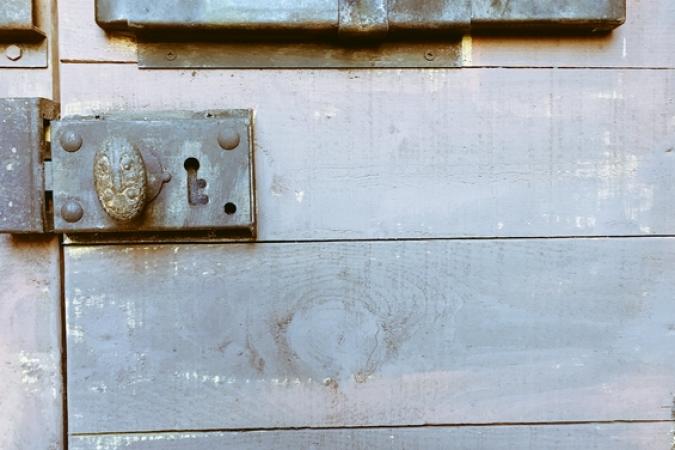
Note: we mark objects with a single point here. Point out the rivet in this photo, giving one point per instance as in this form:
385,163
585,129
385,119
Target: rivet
14,52
229,138
171,56
71,141
429,55
72,211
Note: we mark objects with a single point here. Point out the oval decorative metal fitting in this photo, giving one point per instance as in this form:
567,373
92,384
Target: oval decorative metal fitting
120,179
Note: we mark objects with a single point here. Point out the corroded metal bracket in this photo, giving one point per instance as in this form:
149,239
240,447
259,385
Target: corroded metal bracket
17,21
334,33
22,42
24,208
146,176
350,18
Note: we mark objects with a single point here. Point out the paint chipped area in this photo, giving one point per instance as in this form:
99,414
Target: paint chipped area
37,372
619,177
119,442
76,333
87,107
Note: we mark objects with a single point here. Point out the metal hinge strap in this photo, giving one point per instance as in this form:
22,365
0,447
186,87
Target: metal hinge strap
355,18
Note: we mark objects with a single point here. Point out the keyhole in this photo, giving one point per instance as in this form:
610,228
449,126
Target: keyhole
195,185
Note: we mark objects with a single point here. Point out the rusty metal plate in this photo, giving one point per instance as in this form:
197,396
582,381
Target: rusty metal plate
23,208
516,15
334,33
22,43
210,55
316,18
17,21
142,174
26,55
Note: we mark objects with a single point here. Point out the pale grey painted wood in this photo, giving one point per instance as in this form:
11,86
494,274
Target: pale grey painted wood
644,436
194,337
25,83
391,154
31,408
31,384
83,40
386,154
644,41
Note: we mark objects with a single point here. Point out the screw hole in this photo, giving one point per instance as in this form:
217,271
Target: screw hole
230,208
191,164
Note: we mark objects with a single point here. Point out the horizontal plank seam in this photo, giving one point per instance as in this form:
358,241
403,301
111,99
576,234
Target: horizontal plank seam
92,61
569,67
377,427
365,240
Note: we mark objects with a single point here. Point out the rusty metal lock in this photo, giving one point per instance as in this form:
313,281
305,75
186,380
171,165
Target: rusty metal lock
141,174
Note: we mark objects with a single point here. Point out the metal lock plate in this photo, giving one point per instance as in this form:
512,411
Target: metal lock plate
334,33
145,174
22,42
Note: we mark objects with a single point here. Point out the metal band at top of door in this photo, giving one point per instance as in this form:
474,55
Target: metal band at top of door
335,33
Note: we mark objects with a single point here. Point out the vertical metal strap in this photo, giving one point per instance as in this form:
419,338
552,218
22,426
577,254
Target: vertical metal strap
22,150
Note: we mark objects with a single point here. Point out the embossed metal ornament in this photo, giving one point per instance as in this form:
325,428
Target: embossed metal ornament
120,179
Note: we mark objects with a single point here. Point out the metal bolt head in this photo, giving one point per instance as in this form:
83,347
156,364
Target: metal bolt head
429,55
70,141
229,138
72,211
171,56
14,53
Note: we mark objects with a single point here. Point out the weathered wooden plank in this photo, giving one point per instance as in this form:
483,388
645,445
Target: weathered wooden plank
389,154
644,41
30,344
356,334
25,83
83,40
645,436
31,403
